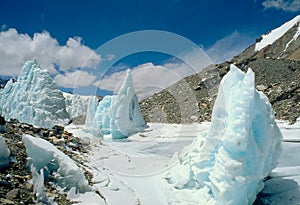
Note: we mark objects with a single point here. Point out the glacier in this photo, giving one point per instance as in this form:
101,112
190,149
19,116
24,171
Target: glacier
4,153
91,125
34,98
76,105
120,115
227,164
44,155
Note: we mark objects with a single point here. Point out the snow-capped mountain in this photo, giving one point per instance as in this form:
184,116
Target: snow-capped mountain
280,43
34,98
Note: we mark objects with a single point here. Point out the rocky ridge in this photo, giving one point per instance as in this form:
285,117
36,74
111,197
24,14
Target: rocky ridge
277,74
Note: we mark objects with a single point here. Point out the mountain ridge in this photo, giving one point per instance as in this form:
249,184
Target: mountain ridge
277,69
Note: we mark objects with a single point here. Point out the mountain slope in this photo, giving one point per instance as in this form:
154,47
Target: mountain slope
277,74
280,43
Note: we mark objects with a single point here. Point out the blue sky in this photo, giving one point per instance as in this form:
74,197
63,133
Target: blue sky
62,33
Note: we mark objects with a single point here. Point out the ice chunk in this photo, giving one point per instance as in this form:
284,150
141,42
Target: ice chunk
42,154
4,153
76,105
104,115
34,98
120,115
38,185
243,145
91,125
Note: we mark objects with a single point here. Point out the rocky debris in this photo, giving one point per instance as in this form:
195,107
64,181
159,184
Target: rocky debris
15,186
277,78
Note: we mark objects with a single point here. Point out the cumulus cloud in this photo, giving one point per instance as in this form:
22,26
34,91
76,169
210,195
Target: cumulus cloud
16,48
147,79
285,5
75,79
229,46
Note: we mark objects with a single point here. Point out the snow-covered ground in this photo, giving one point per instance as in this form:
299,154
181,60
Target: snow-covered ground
132,171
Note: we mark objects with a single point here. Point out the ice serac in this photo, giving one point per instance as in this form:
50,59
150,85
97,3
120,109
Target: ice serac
76,105
91,125
34,98
227,165
44,155
120,115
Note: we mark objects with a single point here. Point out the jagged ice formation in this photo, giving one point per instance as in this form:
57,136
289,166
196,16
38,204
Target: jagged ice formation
120,115
34,98
227,165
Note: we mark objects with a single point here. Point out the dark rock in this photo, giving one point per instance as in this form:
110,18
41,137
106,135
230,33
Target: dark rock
58,129
2,121
2,125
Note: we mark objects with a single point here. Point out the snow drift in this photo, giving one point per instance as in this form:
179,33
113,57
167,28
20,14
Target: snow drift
227,165
34,98
120,115
44,155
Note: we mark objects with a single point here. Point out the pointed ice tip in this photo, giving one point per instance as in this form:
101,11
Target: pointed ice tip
128,72
128,76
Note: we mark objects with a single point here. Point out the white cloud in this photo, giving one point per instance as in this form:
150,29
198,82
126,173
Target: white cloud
75,79
17,48
4,27
147,79
110,57
229,46
285,5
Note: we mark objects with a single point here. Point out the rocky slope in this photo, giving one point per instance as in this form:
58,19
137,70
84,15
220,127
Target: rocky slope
277,74
15,185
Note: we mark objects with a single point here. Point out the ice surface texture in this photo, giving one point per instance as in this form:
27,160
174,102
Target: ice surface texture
4,153
91,125
120,115
76,105
38,185
228,164
44,155
34,98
